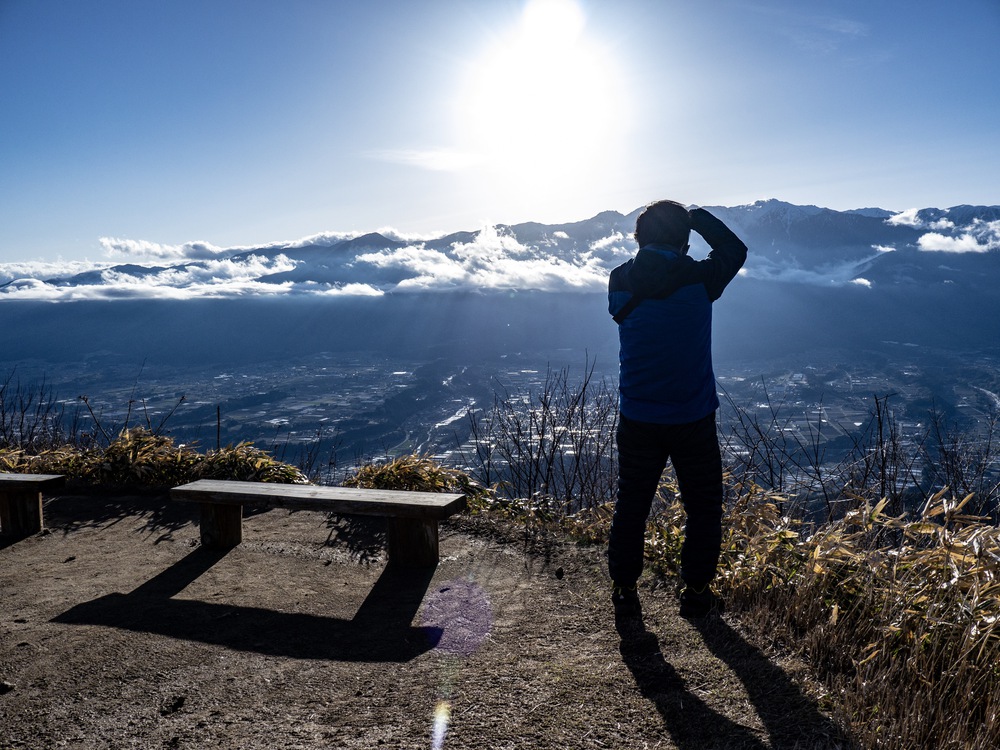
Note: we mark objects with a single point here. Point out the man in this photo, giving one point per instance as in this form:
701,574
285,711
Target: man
662,301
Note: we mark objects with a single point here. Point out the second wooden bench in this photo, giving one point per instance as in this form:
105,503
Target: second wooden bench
21,502
413,516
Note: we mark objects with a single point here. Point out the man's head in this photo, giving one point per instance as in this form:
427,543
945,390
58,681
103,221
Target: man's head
664,223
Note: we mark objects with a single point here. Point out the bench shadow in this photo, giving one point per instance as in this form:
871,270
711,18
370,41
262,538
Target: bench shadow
364,536
380,631
791,720
91,508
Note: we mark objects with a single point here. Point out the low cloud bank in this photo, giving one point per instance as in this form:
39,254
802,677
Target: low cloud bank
115,247
222,277
317,265
839,274
574,257
944,235
492,260
979,237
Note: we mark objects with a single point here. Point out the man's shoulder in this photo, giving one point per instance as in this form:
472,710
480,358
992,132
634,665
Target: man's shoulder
618,279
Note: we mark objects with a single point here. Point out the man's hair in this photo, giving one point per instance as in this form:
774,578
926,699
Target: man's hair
665,223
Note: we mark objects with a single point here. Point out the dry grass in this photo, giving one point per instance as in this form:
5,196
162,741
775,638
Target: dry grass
418,473
140,458
901,617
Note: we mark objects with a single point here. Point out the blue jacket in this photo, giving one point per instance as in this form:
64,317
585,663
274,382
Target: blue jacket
665,358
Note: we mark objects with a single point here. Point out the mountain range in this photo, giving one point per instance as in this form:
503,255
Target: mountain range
788,243
814,277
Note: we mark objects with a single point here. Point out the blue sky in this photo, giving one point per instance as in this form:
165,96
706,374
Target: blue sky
245,122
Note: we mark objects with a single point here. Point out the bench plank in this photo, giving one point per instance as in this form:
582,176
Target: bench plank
412,538
26,481
21,502
346,500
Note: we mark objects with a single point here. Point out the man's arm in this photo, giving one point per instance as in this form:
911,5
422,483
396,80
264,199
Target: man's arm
726,257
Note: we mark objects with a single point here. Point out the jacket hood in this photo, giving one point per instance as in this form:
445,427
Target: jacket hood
658,270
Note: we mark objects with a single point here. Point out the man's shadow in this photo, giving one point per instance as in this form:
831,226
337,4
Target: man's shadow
381,630
790,719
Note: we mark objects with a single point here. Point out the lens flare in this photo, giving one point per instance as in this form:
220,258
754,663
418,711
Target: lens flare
461,611
442,712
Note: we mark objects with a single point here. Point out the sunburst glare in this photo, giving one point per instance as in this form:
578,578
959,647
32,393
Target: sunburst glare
544,99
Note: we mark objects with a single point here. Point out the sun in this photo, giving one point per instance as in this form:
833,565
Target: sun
544,98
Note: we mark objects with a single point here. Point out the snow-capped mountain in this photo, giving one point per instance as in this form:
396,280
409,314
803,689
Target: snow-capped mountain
814,277
788,243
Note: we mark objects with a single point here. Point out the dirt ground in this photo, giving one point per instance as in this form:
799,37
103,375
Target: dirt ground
118,631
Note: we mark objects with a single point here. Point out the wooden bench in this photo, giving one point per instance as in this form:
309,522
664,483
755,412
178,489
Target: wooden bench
21,502
413,516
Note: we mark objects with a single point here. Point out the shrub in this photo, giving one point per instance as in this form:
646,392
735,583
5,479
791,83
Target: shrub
900,616
140,458
245,462
418,473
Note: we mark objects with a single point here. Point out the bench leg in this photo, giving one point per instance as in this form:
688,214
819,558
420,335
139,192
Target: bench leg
221,526
20,513
413,543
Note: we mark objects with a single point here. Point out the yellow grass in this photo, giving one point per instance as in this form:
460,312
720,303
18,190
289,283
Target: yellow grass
140,458
900,616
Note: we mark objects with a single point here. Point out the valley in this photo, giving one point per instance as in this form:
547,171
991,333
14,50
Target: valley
331,410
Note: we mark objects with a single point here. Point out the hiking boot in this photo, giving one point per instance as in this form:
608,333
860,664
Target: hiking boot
626,601
698,602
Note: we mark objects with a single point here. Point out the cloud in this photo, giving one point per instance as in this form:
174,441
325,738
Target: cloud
394,234
312,240
979,237
353,290
144,250
942,224
609,251
26,289
946,237
225,277
907,218
115,247
934,242
567,259
911,218
435,160
492,260
840,274
423,267
816,34
616,239
221,277
844,26
47,269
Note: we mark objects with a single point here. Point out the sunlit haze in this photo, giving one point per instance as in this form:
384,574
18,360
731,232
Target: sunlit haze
235,122
537,103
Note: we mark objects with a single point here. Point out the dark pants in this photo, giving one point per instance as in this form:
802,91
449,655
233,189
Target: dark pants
643,451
